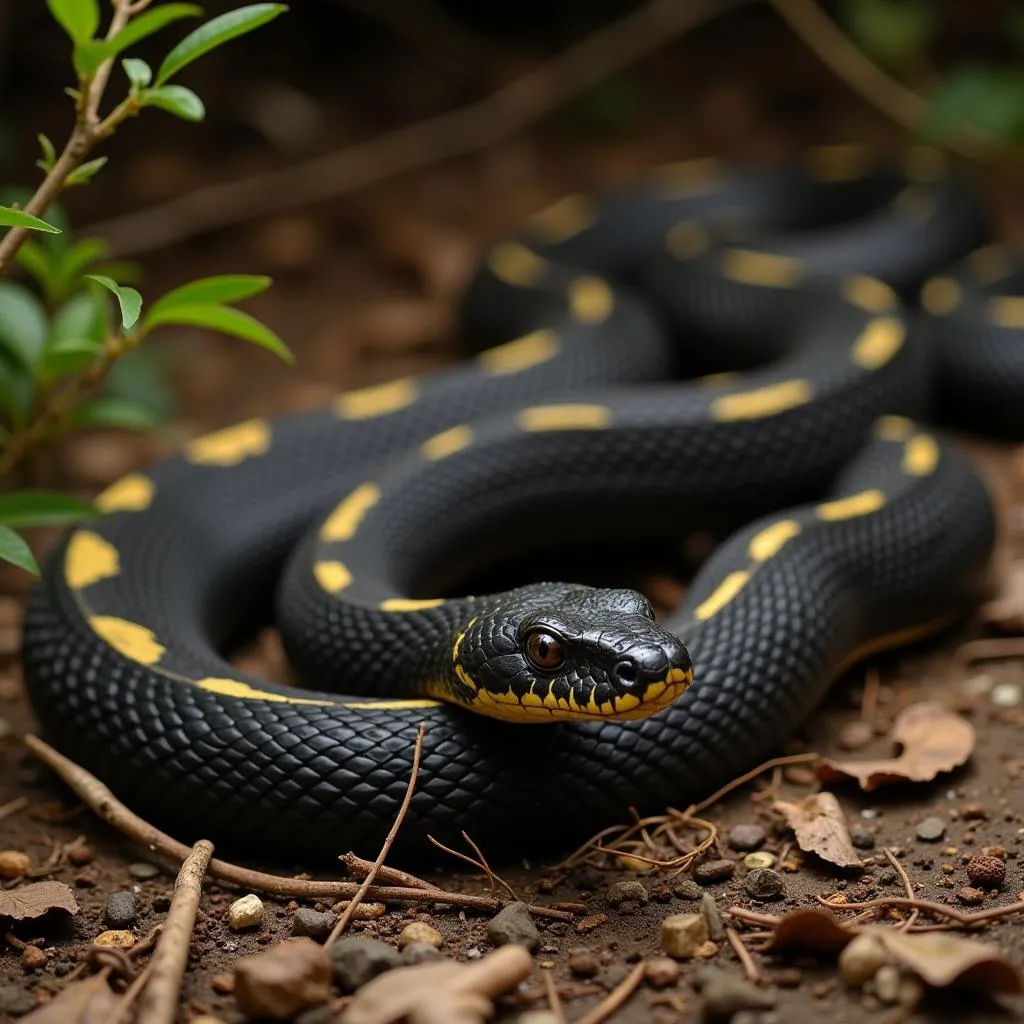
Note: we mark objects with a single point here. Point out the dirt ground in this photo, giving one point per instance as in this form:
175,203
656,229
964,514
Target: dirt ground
366,289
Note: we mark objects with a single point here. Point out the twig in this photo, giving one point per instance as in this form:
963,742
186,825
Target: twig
475,126
554,1002
926,906
750,968
615,998
869,702
12,807
389,839
360,867
159,1002
907,885
754,917
124,1007
984,650
775,762
480,865
492,875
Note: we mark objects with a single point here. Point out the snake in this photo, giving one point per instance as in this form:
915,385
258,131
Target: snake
784,353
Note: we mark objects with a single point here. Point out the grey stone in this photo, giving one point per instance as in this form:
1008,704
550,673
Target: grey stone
355,961
620,892
764,884
421,953
861,838
687,889
747,837
711,871
931,830
725,995
616,974
712,917
16,1001
313,923
120,910
141,870
513,924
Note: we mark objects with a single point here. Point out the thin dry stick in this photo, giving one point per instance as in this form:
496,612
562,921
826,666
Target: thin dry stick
984,650
475,126
908,887
18,804
752,971
492,875
124,1007
775,762
480,865
554,1002
360,867
869,702
940,909
159,1002
389,840
615,998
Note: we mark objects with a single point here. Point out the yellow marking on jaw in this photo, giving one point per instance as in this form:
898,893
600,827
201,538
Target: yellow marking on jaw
842,162
132,493
869,293
563,219
409,604
129,638
520,354
243,691
766,401
921,456
89,559
940,295
230,446
343,522
762,268
893,428
691,177
686,240
849,508
377,399
1007,311
722,595
590,300
989,262
448,442
392,705
769,541
922,163
565,417
878,342
515,264
332,576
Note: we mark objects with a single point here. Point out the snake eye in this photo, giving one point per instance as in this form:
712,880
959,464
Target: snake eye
545,650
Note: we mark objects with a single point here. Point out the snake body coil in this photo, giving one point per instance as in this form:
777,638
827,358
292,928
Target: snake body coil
865,529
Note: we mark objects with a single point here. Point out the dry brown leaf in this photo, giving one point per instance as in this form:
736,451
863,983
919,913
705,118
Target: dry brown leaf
36,899
809,928
284,980
934,740
90,1001
820,827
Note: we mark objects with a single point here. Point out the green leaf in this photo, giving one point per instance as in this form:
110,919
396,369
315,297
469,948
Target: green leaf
227,321
141,376
81,317
84,174
23,326
114,412
128,299
223,288
89,56
984,100
77,257
894,32
79,18
35,260
49,153
13,549
19,219
17,389
215,33
139,73
43,508
175,99
68,355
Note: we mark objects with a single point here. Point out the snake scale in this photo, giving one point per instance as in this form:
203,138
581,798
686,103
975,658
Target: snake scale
716,344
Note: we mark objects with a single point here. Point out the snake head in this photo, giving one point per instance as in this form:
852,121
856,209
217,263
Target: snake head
569,653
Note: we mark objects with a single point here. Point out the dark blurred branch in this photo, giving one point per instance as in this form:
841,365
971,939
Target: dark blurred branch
475,126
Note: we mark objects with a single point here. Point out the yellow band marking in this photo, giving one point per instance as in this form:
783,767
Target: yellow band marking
766,401
239,689
849,508
765,269
565,417
392,705
716,380
409,604
922,163
332,576
686,240
230,446
914,201
989,263
129,638
893,428
132,493
343,522
1007,311
89,558
590,300
376,400
520,354
869,293
723,594
769,541
515,264
563,219
842,162
448,442
878,342
940,295
691,177
921,456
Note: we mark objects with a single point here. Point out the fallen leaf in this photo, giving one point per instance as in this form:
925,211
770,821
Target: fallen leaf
820,827
809,928
934,740
36,899
284,980
90,1001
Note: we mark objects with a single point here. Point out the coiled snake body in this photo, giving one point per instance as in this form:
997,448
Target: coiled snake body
865,530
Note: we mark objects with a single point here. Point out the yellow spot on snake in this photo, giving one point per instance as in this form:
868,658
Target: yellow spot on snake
893,428
849,508
715,380
921,456
842,162
376,400
990,262
562,219
1007,311
520,354
392,705
129,638
237,688
590,300
766,401
940,295
231,445
565,417
515,264
686,240
722,595
762,268
332,576
769,541
343,522
869,293
691,177
89,558
922,163
878,342
448,442
409,604
132,493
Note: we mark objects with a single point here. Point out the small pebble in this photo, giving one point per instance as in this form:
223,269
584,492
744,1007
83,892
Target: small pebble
117,939
246,912
710,871
764,884
860,960
355,961
420,931
14,863
986,872
973,812
887,878
969,895
161,903
120,910
661,971
661,894
931,830
861,838
686,889
420,953
683,934
725,995
15,1000
313,923
514,925
1007,695
887,984
994,851
80,854
707,950
32,959
759,859
712,917
143,871
584,965
619,892
856,735
746,837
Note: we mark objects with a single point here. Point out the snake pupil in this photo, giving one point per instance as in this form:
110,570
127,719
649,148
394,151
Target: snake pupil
545,651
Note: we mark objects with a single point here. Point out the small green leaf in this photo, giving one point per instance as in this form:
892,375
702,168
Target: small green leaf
984,100
81,317
214,33
84,174
79,18
17,389
89,56
13,549
141,377
227,321
175,99
68,355
71,264
34,259
128,299
19,219
139,73
43,508
49,153
114,412
223,288
23,326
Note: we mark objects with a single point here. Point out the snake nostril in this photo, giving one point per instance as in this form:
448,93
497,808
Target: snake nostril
625,671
